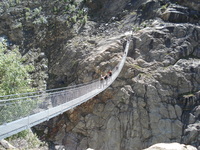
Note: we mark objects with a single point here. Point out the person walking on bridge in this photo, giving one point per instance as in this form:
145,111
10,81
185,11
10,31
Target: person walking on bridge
106,79
110,73
101,81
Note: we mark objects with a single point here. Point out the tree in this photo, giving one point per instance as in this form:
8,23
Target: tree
14,75
14,79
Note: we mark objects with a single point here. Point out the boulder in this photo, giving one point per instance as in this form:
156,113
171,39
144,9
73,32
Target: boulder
179,14
171,146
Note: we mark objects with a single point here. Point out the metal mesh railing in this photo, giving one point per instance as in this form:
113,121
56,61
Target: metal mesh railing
27,104
16,108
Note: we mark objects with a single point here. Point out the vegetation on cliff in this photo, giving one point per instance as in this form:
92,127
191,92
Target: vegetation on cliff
73,41
14,79
14,74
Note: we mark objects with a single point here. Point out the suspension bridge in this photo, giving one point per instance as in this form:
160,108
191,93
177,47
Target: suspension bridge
22,111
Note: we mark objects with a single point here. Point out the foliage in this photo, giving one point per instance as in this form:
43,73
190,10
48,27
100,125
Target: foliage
37,13
32,141
14,75
85,19
143,25
14,79
136,28
72,10
73,19
22,134
164,7
136,67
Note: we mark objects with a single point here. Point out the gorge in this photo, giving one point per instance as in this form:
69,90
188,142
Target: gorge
155,99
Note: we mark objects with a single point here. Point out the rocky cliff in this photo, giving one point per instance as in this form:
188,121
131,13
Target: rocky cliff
155,99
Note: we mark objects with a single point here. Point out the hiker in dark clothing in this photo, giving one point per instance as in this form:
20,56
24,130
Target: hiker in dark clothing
110,73
106,78
101,81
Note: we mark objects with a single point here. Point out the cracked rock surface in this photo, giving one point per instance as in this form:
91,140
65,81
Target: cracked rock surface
155,99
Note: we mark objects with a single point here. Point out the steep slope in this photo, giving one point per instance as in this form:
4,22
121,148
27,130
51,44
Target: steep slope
150,101
156,97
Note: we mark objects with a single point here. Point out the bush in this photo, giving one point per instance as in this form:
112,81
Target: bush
14,75
14,79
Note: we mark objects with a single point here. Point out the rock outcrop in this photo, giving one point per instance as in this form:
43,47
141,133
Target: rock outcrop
193,4
180,14
172,146
6,145
149,102
156,97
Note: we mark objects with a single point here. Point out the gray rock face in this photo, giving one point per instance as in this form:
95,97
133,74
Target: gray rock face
100,8
180,14
193,4
6,145
156,96
150,101
172,146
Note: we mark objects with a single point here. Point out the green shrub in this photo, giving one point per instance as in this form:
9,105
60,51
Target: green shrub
14,79
164,7
74,19
32,141
14,75
17,1
85,19
136,28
